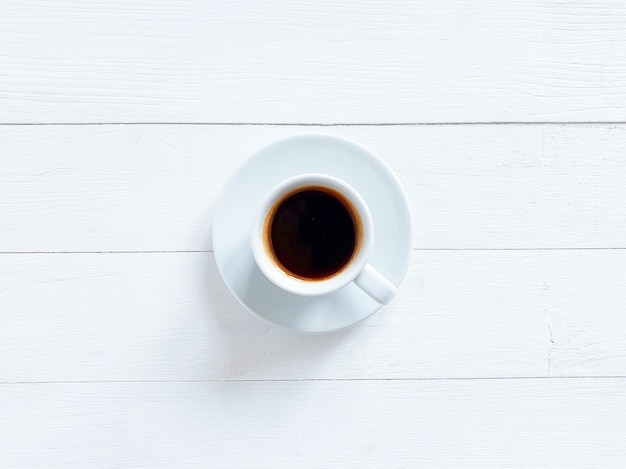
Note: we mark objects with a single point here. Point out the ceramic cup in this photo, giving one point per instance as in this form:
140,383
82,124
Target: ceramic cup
356,270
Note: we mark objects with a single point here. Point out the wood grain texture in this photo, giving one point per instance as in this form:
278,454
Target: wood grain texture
169,317
128,188
312,61
554,423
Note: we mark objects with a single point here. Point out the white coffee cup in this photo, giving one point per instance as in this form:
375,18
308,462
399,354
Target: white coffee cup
356,269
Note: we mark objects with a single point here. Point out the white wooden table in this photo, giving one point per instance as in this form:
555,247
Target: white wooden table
119,343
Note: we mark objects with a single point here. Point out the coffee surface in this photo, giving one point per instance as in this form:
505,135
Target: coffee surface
312,233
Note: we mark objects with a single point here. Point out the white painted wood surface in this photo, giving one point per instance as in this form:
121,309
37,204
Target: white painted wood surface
573,423
119,344
312,61
129,188
168,316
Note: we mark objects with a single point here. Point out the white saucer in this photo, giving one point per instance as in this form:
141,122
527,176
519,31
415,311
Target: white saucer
246,189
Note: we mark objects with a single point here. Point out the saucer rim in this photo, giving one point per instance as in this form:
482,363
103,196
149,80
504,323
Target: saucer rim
381,166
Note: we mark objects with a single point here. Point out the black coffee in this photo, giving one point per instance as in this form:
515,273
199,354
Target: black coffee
312,233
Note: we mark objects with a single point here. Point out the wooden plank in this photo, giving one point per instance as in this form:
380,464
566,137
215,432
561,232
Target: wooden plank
127,188
545,423
312,61
168,316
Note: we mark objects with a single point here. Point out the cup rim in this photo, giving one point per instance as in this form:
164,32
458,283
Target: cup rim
304,287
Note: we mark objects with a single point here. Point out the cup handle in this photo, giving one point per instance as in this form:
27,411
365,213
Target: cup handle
375,285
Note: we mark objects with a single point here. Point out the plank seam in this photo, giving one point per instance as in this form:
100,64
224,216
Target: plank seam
414,250
325,380
317,124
